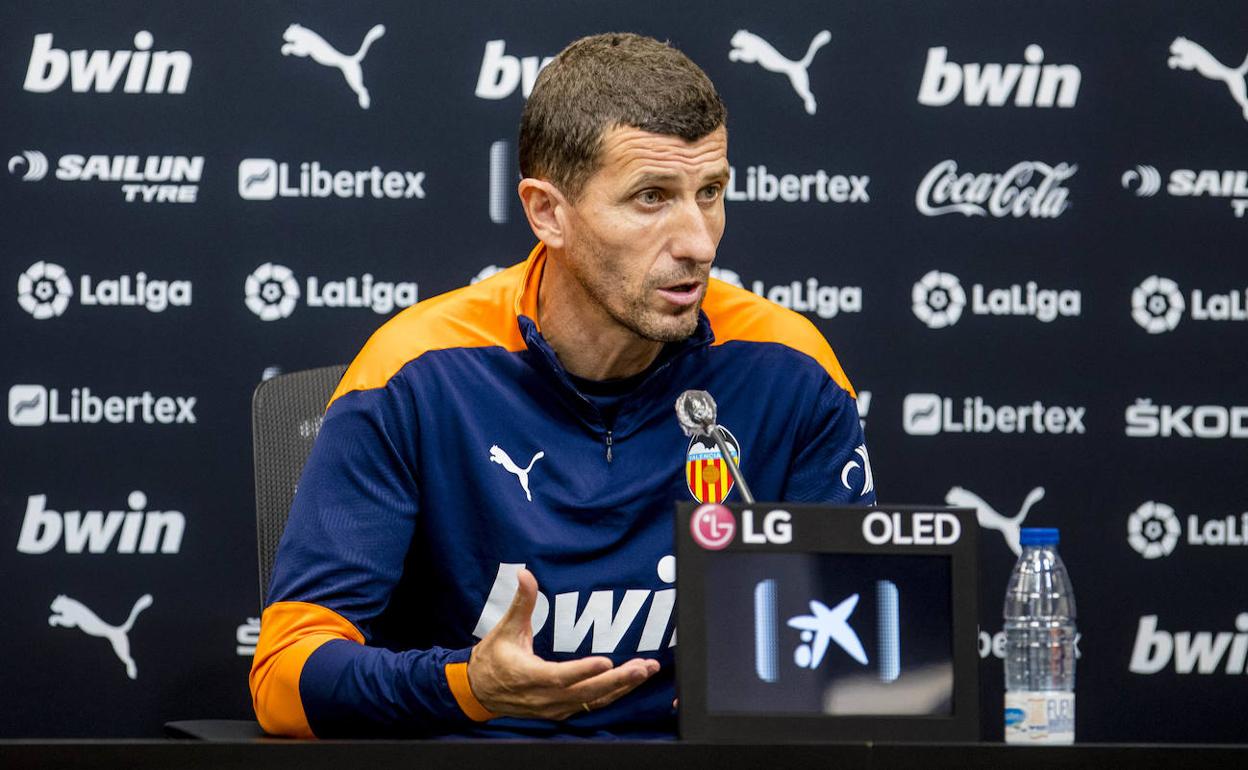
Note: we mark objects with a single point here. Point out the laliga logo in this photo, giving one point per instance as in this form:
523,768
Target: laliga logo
1157,304
272,292
1149,180
713,526
1153,530
938,299
36,165
44,290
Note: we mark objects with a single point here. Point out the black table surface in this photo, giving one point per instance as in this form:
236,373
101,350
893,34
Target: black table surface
275,754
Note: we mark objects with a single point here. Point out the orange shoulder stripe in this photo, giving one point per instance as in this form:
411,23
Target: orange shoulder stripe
737,314
289,633
480,315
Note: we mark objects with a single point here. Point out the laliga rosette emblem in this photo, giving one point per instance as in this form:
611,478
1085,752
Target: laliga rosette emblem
938,299
1157,304
272,292
1153,530
44,290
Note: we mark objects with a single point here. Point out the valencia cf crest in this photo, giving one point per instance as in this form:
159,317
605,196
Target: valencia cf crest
706,473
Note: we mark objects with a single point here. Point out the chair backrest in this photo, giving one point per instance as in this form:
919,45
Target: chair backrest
286,413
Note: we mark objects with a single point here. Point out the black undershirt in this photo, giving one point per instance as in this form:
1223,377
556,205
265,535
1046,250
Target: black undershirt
607,395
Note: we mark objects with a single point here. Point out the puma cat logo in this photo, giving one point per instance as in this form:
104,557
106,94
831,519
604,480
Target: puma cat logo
752,49
1186,55
71,613
990,519
497,455
301,41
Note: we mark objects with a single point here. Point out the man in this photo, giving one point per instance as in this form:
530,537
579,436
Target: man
521,431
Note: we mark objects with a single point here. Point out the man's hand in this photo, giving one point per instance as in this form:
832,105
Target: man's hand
509,680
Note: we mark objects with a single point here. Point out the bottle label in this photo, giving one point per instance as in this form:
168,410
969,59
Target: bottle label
1047,716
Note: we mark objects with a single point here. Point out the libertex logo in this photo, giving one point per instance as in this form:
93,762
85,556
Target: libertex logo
32,406
137,71
929,414
272,292
264,179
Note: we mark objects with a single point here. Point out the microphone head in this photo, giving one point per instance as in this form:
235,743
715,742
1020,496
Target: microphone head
696,412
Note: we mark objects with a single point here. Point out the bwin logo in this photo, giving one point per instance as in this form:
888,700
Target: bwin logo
71,613
1201,652
752,49
146,71
991,84
1157,305
1186,55
271,292
301,41
132,531
36,164
502,73
937,299
608,623
1153,530
1146,178
44,290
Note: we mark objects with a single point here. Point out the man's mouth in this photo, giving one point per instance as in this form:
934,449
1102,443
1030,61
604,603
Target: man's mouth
682,294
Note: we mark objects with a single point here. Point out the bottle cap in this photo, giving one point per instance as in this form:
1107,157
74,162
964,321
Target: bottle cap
1038,536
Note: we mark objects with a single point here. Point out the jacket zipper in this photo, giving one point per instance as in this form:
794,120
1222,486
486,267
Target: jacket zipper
608,446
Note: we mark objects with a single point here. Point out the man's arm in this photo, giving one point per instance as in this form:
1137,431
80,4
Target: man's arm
342,554
831,464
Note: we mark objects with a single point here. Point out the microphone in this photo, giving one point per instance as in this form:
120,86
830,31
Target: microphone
696,412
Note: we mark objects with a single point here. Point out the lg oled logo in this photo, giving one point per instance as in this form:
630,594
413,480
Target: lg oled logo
44,290
145,71
272,292
1034,84
1158,305
264,179
1154,529
144,179
938,300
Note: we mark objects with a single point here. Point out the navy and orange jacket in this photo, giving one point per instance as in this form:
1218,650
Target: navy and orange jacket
411,519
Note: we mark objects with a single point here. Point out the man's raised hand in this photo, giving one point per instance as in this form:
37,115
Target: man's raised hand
508,679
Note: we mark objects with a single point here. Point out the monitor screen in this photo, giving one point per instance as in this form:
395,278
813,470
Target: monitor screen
838,634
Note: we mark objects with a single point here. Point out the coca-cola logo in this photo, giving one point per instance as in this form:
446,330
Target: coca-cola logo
1028,189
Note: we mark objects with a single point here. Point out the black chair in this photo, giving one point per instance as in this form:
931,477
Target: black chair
286,414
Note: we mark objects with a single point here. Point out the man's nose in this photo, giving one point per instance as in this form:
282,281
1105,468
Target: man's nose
696,234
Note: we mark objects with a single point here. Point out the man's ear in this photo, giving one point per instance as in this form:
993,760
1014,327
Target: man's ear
546,209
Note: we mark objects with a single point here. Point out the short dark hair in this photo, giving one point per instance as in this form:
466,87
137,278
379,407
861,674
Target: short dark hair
604,81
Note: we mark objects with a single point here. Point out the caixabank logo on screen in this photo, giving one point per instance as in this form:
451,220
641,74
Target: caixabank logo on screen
45,290
273,291
265,179
33,406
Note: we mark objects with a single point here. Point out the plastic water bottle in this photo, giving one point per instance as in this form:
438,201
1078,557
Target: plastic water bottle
1039,645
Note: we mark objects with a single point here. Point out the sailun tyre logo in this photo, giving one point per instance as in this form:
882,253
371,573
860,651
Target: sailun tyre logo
1153,530
36,164
44,290
938,299
1157,305
272,292
1147,181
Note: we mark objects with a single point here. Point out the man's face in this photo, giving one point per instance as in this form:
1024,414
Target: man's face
642,236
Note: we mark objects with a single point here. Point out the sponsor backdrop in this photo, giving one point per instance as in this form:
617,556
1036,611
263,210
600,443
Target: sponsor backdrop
1019,225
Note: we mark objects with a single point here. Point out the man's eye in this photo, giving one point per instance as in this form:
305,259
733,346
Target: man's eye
650,197
711,192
